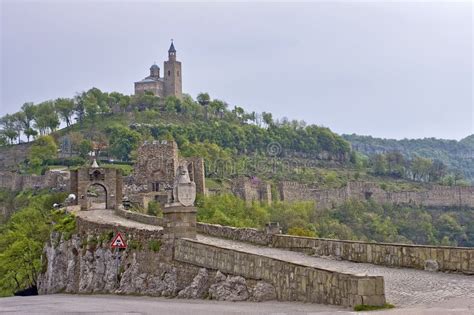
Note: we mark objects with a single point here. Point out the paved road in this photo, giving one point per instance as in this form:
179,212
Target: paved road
114,304
403,287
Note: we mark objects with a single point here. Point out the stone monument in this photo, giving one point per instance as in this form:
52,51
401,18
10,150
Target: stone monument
179,214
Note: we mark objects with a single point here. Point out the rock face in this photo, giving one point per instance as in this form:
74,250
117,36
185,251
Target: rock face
85,264
263,291
431,265
73,267
198,288
236,288
229,289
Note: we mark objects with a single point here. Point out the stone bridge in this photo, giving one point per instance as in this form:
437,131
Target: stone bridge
299,269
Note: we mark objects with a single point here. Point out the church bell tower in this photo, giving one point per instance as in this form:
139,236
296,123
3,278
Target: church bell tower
172,74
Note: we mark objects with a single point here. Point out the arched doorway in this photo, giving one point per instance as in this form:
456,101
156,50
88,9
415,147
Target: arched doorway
97,188
96,197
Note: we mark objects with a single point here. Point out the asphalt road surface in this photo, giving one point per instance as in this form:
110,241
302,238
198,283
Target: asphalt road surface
116,304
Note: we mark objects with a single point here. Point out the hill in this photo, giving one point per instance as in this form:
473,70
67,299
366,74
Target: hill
232,141
456,155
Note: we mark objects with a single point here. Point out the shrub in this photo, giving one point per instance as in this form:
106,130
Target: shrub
364,307
154,245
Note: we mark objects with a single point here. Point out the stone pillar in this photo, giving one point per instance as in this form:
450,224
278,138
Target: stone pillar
273,228
179,222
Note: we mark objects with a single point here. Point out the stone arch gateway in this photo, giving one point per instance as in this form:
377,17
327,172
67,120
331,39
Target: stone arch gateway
109,179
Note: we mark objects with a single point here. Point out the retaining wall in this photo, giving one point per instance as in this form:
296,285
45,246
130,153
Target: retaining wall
293,282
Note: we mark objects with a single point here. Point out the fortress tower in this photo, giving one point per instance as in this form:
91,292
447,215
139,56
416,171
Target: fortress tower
169,85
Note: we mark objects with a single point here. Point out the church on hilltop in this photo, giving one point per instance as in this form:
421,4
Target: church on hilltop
168,85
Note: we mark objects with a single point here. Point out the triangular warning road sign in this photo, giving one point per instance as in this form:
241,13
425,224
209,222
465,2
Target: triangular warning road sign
118,242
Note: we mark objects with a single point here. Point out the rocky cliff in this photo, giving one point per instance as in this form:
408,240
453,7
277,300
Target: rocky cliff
84,263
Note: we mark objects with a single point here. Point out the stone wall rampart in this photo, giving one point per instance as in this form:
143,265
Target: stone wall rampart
51,179
434,196
12,155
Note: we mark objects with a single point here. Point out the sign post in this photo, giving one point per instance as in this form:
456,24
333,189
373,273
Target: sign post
117,243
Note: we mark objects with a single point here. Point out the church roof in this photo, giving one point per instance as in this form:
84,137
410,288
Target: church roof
154,66
150,79
172,49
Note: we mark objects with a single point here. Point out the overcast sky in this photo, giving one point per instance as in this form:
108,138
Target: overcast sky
386,69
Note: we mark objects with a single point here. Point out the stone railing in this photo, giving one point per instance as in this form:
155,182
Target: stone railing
139,217
248,235
293,282
442,258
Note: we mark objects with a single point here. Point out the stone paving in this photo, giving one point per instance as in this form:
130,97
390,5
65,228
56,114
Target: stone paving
403,287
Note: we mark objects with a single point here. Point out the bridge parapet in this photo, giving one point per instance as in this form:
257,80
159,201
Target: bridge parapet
446,258
293,282
457,259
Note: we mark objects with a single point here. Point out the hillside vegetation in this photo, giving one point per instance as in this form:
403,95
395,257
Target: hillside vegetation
232,141
458,156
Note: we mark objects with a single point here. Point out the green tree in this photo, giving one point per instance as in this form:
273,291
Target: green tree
30,132
8,127
19,123
267,118
85,146
65,108
203,99
22,239
46,118
43,149
29,109
122,141
380,165
420,168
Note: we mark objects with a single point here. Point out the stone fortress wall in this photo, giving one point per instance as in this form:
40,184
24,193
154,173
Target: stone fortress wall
155,170
252,189
437,196
12,155
56,180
